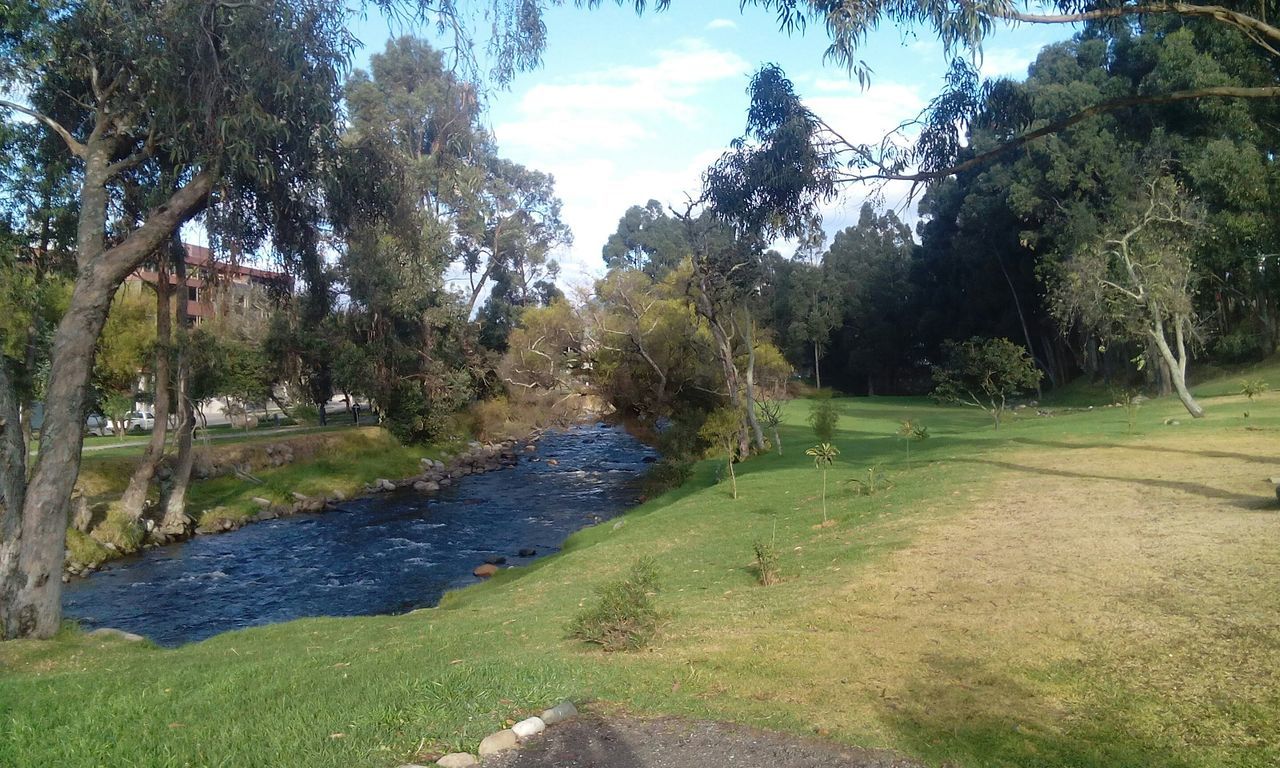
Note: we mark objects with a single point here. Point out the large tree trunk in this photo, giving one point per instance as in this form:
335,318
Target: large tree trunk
13,486
34,608
135,495
174,522
1177,364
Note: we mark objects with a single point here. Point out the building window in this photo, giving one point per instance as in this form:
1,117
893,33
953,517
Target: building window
192,295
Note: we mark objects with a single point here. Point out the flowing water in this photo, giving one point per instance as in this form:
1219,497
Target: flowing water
383,554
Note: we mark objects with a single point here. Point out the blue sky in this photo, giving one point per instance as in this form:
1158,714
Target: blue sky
629,108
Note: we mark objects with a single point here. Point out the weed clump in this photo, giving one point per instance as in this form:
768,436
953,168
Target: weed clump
767,572
624,618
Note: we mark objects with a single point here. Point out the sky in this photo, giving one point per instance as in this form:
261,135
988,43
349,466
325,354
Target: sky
627,108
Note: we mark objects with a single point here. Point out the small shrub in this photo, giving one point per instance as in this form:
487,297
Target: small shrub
1253,388
912,431
767,564
624,617
720,431
823,416
1132,400
665,475
873,482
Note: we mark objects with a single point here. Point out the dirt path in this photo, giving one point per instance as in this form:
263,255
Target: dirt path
592,742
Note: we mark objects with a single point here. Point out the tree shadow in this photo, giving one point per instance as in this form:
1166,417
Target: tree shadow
1237,500
1251,457
964,710
591,743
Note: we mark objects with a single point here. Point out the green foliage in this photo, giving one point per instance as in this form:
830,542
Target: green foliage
824,455
984,373
767,571
721,431
116,407
666,474
823,416
1253,388
912,432
624,617
873,481
770,414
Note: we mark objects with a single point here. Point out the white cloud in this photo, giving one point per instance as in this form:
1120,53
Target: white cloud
617,137
619,107
1008,62
715,24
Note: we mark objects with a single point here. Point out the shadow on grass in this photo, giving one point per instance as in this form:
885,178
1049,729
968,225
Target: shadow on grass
1238,500
1156,448
974,713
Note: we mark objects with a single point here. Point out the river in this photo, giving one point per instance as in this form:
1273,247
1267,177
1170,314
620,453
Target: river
389,553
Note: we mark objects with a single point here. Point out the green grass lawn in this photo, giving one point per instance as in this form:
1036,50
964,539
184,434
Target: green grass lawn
867,639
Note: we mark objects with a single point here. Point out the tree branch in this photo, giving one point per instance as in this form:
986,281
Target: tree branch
884,173
75,146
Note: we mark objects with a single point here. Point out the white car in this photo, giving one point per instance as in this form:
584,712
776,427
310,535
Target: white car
140,421
98,425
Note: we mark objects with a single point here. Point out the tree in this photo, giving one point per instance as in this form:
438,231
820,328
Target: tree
205,95
721,431
648,240
823,417
984,373
1137,283
824,455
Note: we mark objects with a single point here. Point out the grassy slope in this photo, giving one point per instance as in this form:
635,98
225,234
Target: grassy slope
375,691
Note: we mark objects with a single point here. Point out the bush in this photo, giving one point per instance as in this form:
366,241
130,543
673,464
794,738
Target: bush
823,416
1243,345
625,618
767,564
667,474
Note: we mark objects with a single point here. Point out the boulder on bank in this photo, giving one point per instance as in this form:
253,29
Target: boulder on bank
485,571
426,486
457,760
560,712
116,633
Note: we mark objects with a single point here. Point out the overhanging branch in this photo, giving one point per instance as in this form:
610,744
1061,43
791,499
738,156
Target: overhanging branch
882,173
72,143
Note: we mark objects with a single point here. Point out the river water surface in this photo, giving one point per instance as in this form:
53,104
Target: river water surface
382,554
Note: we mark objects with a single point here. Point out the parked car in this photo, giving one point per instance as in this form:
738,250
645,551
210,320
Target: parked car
140,421
98,425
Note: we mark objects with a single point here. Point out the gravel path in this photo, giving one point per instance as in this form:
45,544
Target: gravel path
593,742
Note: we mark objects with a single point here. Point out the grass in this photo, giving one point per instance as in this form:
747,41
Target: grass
1055,593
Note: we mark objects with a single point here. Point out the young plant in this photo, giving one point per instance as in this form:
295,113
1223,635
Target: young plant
767,564
824,455
1132,400
823,417
771,415
720,431
1253,388
912,431
874,482
624,618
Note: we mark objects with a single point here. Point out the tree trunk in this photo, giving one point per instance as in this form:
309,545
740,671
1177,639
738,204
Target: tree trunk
135,495
1177,366
36,609
733,479
13,486
817,374
174,522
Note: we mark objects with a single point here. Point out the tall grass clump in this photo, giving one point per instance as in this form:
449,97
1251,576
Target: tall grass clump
624,617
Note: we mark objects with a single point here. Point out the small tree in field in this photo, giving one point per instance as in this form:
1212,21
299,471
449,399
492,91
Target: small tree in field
984,373
823,417
721,431
824,456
